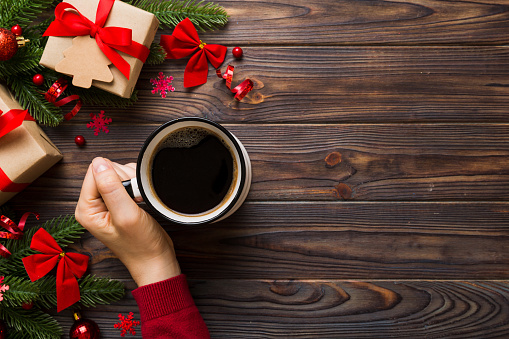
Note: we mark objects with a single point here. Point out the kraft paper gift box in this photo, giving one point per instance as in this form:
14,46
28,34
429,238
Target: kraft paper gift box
144,26
25,152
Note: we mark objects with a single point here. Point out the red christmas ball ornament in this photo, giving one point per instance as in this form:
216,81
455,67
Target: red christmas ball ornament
8,44
80,140
84,328
3,330
237,52
16,29
38,79
27,306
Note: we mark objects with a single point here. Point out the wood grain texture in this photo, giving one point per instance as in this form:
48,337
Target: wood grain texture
336,309
337,84
349,22
383,162
333,241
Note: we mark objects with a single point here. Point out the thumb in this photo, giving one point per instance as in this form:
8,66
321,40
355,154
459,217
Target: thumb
110,187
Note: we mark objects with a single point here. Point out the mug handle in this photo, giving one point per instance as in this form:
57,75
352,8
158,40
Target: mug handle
131,186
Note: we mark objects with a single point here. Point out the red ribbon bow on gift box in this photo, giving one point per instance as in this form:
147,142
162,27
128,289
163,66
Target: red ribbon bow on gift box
14,231
9,122
183,42
69,266
70,22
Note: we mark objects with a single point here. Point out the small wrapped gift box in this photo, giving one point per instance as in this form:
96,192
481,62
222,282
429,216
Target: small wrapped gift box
25,152
143,26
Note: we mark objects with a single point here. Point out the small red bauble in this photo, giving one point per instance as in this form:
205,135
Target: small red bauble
80,140
27,306
38,79
16,29
237,52
84,329
3,330
8,44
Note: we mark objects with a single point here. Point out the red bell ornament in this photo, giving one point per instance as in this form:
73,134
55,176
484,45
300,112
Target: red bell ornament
84,328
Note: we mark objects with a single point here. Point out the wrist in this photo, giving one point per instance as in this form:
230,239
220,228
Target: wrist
154,270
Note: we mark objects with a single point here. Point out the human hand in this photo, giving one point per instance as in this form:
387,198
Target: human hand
109,214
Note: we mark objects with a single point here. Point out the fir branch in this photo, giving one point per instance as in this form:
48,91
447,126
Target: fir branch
203,15
21,12
30,324
7,211
64,229
157,54
97,97
30,98
95,291
21,290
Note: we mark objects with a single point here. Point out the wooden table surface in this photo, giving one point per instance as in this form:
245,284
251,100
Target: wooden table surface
406,237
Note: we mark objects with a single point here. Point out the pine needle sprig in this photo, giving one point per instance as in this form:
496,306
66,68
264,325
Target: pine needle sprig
99,291
65,230
21,12
98,97
30,324
21,290
29,97
157,54
203,15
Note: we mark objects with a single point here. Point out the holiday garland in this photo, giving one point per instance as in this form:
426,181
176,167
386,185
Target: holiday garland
18,71
41,294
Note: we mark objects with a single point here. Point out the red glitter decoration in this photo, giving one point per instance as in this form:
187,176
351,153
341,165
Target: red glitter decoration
16,29
126,324
99,123
8,44
3,288
162,85
237,52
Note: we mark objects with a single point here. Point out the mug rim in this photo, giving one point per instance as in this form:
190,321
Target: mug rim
235,143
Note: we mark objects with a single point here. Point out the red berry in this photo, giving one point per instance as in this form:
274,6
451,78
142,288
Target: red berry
79,140
237,52
27,306
38,79
16,29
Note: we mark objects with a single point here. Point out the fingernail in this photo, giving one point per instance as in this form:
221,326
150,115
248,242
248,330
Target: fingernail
100,165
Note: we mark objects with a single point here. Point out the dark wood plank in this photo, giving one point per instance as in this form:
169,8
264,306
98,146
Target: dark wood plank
338,84
333,241
337,309
346,22
434,162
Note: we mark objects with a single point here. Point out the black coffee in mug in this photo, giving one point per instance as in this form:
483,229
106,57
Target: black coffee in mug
193,171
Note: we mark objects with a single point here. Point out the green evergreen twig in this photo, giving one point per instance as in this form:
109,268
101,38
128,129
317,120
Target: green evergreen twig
157,54
21,12
203,15
30,324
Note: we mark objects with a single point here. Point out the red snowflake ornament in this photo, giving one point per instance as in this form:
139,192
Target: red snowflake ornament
99,123
162,85
126,324
3,288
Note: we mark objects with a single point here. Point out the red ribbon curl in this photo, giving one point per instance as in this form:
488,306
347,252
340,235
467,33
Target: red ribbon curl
56,90
240,90
14,231
70,266
185,41
9,122
70,22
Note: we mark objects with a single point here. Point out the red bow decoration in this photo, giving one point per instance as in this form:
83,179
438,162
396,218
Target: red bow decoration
69,266
183,42
70,22
14,231
9,122
56,90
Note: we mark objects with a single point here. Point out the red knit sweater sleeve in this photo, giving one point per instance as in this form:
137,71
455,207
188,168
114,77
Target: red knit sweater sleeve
167,310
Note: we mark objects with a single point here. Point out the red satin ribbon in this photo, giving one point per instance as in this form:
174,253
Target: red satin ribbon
14,231
183,42
56,90
9,122
70,22
240,90
70,266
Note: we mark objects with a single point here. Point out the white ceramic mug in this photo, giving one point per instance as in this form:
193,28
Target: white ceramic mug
142,187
